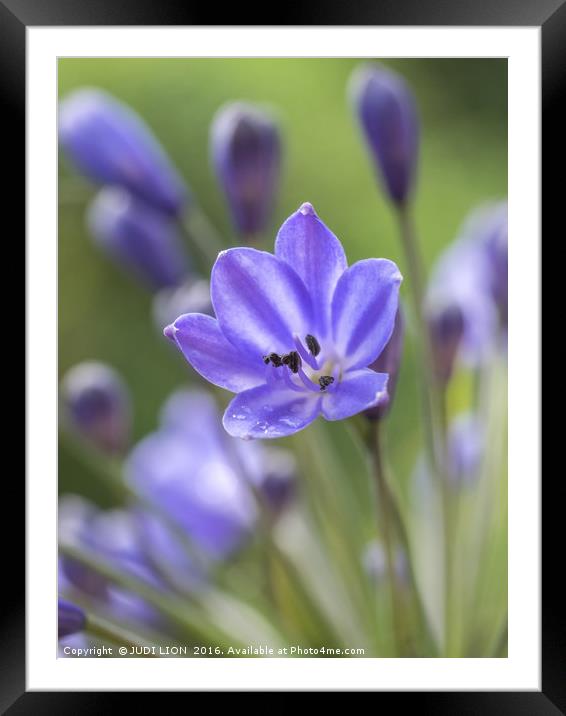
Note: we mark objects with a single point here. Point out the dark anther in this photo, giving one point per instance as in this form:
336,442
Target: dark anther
312,344
275,359
266,360
324,381
293,360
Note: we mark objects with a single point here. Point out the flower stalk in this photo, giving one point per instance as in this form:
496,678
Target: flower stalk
203,235
385,510
104,630
432,404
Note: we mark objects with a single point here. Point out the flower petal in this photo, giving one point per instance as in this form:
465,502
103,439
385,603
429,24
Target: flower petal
270,412
202,343
363,310
358,390
317,256
259,301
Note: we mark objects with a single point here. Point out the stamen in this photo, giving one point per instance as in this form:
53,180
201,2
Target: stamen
305,355
307,382
334,382
324,381
293,360
290,383
312,344
275,360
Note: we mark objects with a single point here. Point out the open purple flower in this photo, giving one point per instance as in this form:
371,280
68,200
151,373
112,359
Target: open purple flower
468,289
186,469
294,332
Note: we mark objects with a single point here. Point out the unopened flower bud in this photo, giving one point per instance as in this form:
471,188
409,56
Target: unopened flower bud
110,144
389,362
97,405
387,114
465,449
446,326
138,237
246,154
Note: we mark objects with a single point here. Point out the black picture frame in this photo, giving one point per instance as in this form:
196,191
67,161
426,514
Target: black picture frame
550,15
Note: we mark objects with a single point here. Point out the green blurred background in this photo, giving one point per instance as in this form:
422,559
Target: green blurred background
105,315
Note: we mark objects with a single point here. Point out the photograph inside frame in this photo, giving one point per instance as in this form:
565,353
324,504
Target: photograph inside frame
282,346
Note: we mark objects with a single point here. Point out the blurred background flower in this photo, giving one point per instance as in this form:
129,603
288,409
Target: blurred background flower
112,145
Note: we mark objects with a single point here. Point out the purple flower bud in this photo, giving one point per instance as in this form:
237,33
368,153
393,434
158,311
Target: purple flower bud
138,237
446,326
97,405
192,296
71,618
246,154
389,362
272,471
465,449
111,144
387,114
375,564
279,483
495,232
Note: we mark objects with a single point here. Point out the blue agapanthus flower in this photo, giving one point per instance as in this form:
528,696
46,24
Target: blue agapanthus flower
186,469
294,332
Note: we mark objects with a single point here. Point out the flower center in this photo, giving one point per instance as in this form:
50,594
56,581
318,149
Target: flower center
316,378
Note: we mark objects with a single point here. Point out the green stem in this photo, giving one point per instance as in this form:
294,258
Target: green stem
384,510
203,235
433,408
429,383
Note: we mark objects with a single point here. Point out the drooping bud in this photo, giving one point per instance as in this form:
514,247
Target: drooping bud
110,144
138,237
465,450
387,114
495,231
446,326
374,563
246,154
97,405
71,619
278,483
389,362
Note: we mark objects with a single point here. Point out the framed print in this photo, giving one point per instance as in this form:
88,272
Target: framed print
280,435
